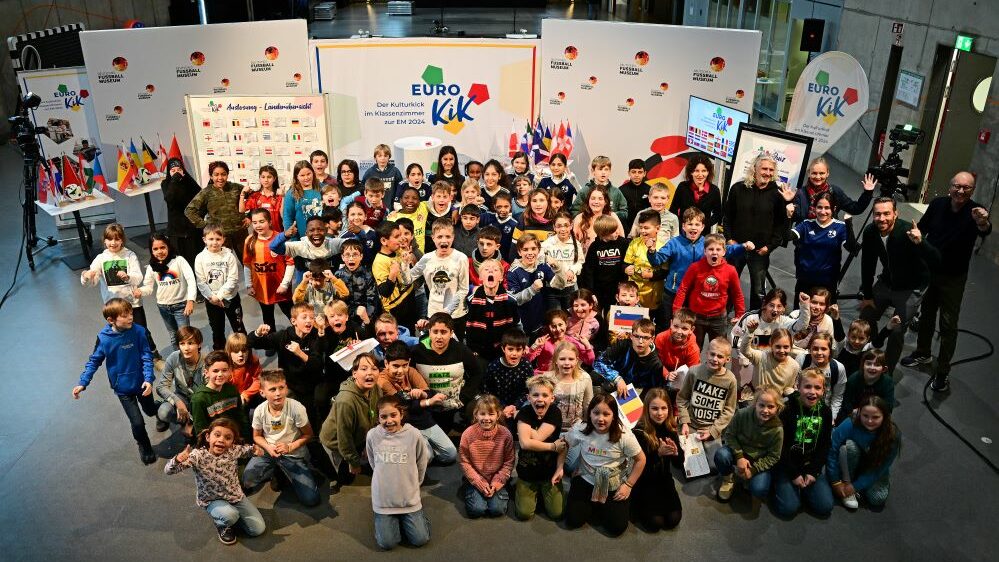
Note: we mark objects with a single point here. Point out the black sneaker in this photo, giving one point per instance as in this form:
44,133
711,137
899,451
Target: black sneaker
162,426
940,384
148,455
915,359
227,535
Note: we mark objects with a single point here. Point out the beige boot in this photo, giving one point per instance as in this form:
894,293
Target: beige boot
727,485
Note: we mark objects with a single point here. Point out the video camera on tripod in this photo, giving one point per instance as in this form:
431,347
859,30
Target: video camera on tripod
902,137
24,132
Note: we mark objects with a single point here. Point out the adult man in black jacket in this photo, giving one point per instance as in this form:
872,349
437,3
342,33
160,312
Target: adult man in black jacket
953,224
906,260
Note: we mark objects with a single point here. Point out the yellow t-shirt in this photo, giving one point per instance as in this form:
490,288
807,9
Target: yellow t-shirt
419,218
650,291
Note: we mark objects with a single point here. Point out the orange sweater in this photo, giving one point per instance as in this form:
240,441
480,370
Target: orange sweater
486,456
246,379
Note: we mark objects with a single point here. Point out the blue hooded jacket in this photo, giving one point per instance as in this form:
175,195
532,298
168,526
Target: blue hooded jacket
129,360
681,252
404,336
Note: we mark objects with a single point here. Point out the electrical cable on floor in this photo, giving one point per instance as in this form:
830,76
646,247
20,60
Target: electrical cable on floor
20,252
926,400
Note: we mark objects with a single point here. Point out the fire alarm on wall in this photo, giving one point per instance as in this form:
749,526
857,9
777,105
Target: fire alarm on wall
983,136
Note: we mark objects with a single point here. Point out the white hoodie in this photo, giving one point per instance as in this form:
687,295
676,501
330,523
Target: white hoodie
217,274
563,257
108,264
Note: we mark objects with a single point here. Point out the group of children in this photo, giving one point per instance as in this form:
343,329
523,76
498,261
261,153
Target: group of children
522,358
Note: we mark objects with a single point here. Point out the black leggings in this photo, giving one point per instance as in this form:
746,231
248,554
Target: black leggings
217,315
267,312
579,509
657,507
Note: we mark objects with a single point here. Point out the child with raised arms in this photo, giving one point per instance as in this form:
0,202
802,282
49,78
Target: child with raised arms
399,457
487,456
556,325
214,460
118,273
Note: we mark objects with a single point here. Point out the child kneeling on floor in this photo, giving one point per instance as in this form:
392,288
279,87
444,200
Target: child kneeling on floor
863,449
399,456
752,444
281,428
214,461
487,456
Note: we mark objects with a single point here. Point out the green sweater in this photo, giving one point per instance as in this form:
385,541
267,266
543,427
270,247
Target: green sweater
349,420
760,443
219,206
207,405
618,203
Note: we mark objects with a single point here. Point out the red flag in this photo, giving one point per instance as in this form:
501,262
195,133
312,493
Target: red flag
175,151
162,155
559,139
71,178
514,144
44,183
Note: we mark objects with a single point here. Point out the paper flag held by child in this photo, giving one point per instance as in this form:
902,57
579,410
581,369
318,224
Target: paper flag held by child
623,317
345,357
629,407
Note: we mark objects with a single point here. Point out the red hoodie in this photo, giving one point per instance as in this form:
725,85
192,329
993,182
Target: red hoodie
710,289
674,355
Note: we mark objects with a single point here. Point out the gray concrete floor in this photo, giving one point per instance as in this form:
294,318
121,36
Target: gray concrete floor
72,487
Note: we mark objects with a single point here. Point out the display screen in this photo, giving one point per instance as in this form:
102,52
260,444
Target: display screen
713,127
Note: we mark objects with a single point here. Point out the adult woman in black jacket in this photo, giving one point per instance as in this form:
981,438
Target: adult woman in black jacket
697,190
178,189
756,210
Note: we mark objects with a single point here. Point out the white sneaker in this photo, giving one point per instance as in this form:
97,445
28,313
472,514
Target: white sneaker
850,502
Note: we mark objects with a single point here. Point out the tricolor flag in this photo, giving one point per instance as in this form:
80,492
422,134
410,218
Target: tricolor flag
624,317
296,136
99,178
237,123
238,151
210,151
45,186
126,171
265,122
296,122
88,174
56,176
629,405
268,150
148,157
206,123
133,154
567,142
70,177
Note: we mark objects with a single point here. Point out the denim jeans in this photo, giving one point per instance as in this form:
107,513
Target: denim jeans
135,406
391,529
174,317
167,412
297,469
243,512
477,505
759,485
849,461
758,268
787,497
440,444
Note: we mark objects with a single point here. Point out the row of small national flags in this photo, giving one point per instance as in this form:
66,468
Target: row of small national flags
541,141
56,176
136,166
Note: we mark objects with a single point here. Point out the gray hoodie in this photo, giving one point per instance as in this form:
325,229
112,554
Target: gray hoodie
399,461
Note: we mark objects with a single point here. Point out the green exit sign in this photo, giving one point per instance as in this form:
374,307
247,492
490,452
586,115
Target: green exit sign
963,43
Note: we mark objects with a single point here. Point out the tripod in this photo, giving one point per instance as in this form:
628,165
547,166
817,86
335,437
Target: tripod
25,134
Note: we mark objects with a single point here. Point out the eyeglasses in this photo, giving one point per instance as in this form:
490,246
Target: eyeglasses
962,187
640,337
